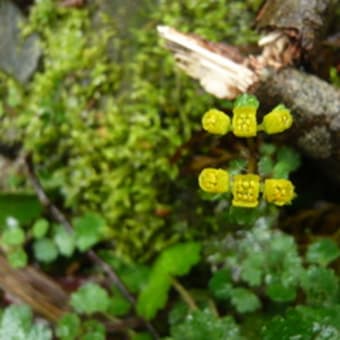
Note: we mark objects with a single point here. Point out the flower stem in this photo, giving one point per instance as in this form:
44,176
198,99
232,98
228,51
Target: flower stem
187,298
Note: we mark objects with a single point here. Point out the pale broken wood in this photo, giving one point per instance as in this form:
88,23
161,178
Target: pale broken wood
215,66
218,74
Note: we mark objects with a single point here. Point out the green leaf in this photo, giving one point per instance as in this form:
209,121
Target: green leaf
174,261
93,330
281,170
135,276
246,100
290,157
203,325
321,285
68,327
65,241
45,250
154,296
141,336
325,320
220,284
323,252
88,230
16,324
252,268
243,216
119,306
17,258
280,293
244,300
236,166
23,207
267,149
178,259
178,312
40,228
90,298
39,331
293,326
13,237
305,322
265,166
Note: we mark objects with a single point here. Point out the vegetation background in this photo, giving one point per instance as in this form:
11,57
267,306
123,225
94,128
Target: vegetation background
104,231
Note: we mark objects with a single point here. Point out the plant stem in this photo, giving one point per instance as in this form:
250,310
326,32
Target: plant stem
251,156
187,298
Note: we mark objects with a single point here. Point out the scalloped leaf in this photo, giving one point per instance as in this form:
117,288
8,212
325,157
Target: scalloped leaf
323,252
174,261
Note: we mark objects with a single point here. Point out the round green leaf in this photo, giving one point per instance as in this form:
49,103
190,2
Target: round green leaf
244,300
90,298
88,230
65,241
45,250
280,293
40,228
68,327
13,237
220,284
323,252
17,258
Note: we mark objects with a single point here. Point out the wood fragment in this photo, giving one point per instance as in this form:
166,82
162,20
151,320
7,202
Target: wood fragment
34,288
217,69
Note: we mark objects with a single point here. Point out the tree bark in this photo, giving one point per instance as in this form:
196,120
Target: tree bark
307,20
315,105
294,29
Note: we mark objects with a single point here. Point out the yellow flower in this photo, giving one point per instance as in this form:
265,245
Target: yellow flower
246,190
278,191
278,120
244,121
216,122
214,180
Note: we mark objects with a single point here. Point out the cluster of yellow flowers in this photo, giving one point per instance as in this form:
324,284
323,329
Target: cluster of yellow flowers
246,188
243,122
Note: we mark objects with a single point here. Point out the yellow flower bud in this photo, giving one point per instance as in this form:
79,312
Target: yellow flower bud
278,120
216,122
214,180
244,121
278,191
246,190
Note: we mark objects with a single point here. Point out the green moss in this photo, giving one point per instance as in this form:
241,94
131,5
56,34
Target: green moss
108,108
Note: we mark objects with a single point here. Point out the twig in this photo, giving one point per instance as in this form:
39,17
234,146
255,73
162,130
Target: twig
34,288
251,156
60,217
184,294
